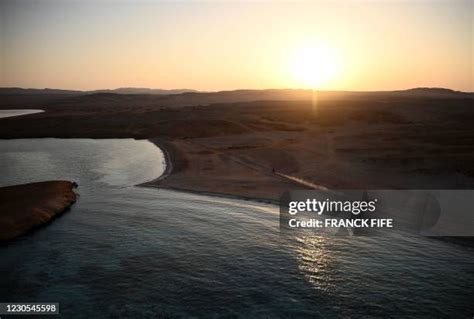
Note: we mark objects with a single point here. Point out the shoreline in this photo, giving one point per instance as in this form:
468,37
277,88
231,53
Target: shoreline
172,157
162,145
213,194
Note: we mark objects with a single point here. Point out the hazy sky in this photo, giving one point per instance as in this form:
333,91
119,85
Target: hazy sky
374,45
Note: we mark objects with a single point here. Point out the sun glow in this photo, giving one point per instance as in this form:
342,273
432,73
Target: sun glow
313,66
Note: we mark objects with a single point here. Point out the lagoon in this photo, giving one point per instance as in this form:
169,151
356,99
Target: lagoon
11,113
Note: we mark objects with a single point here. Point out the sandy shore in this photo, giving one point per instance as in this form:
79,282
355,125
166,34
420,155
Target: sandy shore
263,165
28,206
227,178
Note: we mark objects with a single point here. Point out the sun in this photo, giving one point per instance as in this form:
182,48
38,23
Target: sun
313,66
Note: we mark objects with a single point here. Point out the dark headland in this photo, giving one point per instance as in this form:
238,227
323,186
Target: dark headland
28,206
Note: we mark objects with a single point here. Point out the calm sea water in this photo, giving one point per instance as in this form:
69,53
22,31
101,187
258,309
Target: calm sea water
131,252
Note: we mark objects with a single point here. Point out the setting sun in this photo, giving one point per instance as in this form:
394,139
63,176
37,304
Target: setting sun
313,66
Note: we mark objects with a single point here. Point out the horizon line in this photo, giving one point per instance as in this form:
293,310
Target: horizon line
238,89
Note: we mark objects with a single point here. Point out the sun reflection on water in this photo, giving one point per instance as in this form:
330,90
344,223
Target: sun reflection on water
315,261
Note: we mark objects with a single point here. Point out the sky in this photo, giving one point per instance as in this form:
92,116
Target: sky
222,45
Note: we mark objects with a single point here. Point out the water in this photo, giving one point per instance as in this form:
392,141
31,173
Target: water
125,251
10,113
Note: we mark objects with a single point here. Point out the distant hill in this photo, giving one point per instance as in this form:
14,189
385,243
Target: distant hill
20,91
435,93
182,96
144,91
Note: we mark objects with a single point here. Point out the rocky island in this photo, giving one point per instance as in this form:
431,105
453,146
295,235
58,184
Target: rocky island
28,206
